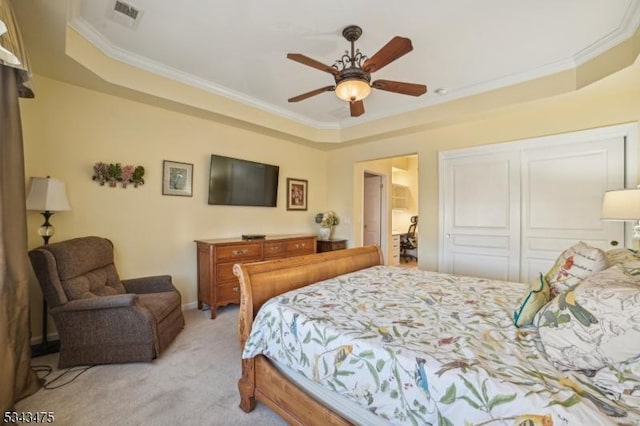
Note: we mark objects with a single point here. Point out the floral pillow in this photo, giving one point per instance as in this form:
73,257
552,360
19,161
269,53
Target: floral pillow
574,264
537,297
628,258
594,324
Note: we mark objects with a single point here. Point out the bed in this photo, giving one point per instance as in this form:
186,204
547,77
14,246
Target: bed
405,346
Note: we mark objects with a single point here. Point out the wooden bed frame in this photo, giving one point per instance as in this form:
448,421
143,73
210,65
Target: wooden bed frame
261,281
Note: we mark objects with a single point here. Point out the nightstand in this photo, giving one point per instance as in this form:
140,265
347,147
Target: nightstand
330,245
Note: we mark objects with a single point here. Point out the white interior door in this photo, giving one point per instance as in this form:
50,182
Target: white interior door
482,216
562,190
372,213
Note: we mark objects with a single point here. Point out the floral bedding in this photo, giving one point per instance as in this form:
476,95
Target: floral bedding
419,347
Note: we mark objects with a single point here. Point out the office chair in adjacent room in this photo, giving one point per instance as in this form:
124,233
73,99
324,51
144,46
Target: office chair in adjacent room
409,243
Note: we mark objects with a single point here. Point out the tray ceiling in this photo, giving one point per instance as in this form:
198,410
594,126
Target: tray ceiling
238,49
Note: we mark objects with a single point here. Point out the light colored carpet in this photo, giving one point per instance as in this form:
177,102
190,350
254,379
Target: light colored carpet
192,383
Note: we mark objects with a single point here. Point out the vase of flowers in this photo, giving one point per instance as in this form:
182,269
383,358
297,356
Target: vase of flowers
327,221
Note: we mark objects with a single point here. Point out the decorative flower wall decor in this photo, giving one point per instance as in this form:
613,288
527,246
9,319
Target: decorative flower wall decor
115,173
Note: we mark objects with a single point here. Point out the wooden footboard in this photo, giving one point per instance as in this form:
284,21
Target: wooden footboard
261,281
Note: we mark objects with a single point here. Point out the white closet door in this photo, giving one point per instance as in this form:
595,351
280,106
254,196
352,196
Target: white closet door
562,190
508,210
481,221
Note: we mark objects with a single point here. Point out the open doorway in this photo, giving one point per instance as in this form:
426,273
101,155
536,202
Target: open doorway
389,202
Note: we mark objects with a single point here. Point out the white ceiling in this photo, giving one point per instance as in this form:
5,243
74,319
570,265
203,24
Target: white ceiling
237,48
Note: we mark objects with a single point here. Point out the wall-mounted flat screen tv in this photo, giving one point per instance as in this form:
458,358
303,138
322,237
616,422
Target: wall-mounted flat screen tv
235,182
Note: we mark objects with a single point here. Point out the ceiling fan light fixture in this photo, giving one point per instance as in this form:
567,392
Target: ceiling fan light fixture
353,90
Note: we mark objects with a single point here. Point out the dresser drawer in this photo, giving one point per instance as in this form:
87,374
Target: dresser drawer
238,252
300,247
228,293
274,249
224,272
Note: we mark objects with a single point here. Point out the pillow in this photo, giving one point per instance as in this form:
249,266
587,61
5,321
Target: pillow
594,324
575,263
538,297
628,258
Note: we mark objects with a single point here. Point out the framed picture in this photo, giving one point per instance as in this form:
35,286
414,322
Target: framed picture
296,194
177,178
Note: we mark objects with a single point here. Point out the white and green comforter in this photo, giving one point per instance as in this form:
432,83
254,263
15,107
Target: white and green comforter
418,347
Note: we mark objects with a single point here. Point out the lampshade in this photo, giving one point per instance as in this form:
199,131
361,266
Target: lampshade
47,194
353,90
621,204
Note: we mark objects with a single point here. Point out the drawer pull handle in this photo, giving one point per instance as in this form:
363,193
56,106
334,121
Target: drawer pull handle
236,289
240,252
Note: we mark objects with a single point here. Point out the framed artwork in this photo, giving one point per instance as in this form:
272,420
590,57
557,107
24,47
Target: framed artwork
296,194
177,178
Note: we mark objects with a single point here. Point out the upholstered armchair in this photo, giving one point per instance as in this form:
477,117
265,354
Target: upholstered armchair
100,318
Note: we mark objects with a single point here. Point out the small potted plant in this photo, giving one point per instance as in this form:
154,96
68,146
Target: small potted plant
114,174
138,176
100,172
127,175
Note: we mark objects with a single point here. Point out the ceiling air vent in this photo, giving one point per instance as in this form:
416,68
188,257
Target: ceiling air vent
126,9
126,14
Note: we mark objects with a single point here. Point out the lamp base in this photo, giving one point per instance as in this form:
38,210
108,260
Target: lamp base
45,348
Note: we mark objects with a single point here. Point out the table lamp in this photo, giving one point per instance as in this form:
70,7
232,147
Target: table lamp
46,195
623,205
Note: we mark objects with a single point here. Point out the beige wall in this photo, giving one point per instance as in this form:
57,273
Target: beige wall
613,100
67,129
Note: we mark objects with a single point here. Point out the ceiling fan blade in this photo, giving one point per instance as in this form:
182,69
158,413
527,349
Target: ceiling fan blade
400,87
305,60
312,93
397,47
357,108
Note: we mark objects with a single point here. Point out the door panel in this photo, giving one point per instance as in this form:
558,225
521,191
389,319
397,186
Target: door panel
482,215
372,210
562,191
490,266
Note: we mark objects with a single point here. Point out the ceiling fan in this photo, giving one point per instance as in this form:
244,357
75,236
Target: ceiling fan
352,72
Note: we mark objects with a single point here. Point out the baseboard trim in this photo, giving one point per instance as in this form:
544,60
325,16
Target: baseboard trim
189,306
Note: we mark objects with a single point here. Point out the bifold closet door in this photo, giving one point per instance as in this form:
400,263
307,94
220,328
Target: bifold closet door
562,190
508,211
481,220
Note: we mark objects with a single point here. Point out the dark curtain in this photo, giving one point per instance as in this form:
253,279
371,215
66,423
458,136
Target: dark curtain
17,378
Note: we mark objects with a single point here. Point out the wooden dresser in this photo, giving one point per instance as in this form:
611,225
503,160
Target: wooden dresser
217,286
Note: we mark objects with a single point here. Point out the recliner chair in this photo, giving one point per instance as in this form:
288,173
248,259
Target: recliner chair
409,243
100,318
